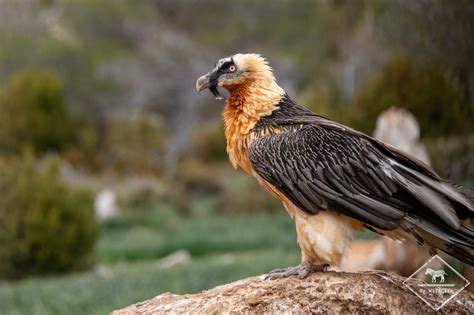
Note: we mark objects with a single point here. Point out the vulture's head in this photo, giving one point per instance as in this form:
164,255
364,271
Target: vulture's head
234,73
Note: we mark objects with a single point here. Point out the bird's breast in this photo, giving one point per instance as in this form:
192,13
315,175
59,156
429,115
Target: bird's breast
239,135
237,149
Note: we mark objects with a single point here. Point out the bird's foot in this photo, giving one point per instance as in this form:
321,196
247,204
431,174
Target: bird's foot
302,271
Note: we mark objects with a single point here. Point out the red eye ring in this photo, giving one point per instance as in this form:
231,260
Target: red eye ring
232,68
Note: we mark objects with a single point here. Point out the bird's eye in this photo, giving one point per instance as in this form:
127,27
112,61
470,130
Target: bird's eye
232,68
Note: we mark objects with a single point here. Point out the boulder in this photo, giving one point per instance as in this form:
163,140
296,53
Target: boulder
325,292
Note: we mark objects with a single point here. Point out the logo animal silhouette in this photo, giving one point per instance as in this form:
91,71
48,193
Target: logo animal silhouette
435,274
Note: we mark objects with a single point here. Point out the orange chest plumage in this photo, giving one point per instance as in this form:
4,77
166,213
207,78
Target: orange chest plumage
238,137
242,112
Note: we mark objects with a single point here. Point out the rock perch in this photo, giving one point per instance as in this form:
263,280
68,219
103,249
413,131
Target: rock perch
328,292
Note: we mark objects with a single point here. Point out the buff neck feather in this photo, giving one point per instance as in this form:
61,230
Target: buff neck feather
258,96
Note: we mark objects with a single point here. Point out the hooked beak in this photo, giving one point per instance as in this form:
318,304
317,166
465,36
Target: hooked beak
203,83
208,82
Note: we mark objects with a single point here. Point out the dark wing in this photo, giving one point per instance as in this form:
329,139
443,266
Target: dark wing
324,165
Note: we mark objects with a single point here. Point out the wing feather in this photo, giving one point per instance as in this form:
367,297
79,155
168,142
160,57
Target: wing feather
320,167
319,164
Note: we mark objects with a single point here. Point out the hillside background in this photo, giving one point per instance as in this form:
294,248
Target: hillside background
99,95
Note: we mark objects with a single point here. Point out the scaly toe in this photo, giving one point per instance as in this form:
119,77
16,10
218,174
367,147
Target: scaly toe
280,270
282,273
301,271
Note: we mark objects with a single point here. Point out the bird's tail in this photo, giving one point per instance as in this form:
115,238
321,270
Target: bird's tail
457,243
466,192
448,203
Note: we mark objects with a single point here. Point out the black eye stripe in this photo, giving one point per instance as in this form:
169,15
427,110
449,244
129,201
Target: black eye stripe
222,67
226,65
221,62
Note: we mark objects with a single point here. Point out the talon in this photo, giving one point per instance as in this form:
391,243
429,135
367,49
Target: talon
301,271
282,273
280,270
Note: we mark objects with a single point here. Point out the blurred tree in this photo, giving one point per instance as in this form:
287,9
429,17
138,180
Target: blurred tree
209,143
440,31
46,227
423,89
34,114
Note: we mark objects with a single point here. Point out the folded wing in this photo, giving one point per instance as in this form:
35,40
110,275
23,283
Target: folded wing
319,165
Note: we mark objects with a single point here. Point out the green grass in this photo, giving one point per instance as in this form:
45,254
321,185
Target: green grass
91,293
161,234
223,249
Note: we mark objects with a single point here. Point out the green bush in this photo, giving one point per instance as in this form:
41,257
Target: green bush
45,226
422,89
34,113
209,143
